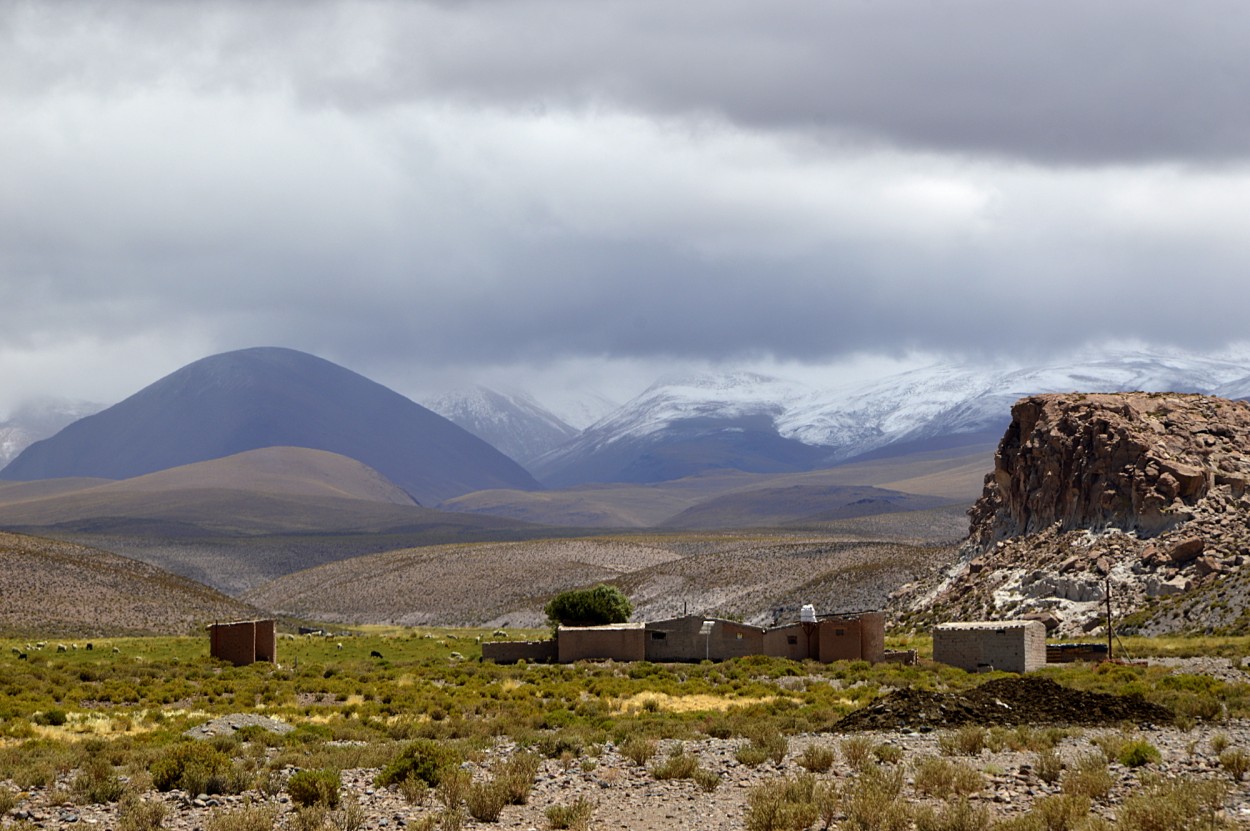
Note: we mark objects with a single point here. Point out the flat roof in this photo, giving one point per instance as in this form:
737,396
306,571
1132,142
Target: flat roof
990,624
607,627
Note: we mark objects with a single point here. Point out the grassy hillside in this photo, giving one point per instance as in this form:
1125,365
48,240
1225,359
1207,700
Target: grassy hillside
55,587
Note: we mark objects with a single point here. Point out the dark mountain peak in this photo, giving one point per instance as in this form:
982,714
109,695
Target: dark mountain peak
267,397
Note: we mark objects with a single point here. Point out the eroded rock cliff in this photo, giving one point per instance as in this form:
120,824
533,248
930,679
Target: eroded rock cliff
1143,494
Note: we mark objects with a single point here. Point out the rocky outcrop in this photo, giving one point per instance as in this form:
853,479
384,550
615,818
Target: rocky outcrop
1145,495
1138,462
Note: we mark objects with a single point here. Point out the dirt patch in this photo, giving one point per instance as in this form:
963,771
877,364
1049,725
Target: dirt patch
1003,701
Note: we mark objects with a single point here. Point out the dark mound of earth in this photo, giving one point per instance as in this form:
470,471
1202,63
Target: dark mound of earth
1003,701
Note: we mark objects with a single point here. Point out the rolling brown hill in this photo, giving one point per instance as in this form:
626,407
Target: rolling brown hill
236,522
953,475
50,587
271,490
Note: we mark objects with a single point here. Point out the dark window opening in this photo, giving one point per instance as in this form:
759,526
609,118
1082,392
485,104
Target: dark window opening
658,636
793,640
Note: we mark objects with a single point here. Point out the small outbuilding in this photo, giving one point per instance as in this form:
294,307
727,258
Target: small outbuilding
981,646
243,642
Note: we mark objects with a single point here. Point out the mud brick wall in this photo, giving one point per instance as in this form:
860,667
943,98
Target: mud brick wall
510,652
1011,646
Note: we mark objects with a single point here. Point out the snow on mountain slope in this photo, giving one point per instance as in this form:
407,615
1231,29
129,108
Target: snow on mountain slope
38,419
844,420
1235,389
949,399
514,423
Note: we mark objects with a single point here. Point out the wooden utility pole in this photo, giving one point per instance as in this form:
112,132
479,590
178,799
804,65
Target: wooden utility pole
1108,593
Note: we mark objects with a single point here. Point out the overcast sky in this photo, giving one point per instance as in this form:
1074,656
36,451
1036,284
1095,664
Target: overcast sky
565,193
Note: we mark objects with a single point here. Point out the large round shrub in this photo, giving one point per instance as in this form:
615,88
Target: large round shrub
589,607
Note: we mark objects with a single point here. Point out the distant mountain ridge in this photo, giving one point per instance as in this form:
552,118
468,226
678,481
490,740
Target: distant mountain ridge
684,426
511,422
271,397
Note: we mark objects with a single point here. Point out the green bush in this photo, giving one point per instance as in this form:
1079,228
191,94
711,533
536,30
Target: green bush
574,817
600,605
247,818
1178,803
941,778
817,758
517,776
871,800
1089,777
1139,752
1236,761
196,768
678,765
1048,765
423,759
638,749
97,782
486,800
315,787
960,815
135,814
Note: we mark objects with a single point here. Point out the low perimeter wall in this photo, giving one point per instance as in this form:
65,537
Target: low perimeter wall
510,652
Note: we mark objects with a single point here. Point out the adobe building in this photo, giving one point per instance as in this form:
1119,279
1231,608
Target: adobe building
980,646
858,637
244,642
696,638
616,641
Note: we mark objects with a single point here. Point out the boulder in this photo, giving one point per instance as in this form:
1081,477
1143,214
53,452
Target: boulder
1186,550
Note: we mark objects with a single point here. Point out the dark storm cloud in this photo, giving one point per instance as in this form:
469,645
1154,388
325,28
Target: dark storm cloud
1060,82
517,183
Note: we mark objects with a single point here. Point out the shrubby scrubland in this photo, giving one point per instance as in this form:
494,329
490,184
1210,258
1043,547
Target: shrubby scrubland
464,741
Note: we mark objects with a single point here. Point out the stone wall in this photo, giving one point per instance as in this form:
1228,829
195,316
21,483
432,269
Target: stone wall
1011,646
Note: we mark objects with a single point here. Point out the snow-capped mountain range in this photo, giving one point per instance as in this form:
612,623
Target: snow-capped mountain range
688,424
682,426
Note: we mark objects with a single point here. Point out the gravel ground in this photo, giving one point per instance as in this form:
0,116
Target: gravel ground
628,797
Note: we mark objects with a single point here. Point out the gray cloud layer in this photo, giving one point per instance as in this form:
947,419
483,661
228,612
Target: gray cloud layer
469,185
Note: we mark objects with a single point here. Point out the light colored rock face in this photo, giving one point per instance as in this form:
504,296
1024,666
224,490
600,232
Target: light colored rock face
1145,495
1138,462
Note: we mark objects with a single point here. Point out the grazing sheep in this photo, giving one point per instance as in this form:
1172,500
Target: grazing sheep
90,647
456,656
338,646
21,656
16,651
41,644
499,633
375,654
60,647
115,649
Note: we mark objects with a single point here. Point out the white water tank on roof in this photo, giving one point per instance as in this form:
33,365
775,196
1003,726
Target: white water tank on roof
807,614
